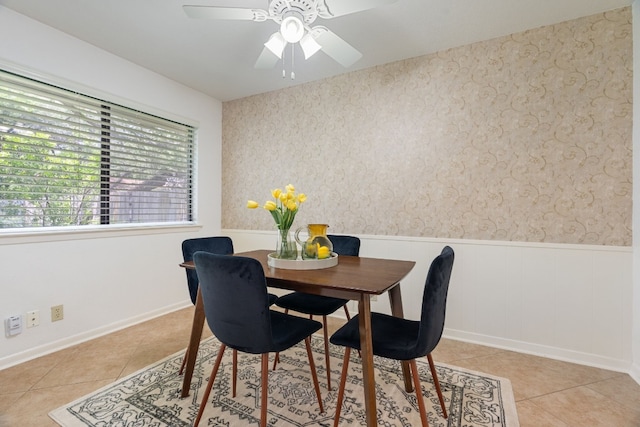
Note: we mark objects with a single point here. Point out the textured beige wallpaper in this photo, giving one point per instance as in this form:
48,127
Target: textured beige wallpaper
521,138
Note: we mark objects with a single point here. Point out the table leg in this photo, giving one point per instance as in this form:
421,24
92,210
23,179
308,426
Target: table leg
395,299
194,343
366,348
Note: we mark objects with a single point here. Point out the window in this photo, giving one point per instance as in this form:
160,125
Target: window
68,159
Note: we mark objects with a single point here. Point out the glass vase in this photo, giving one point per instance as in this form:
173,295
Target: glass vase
286,247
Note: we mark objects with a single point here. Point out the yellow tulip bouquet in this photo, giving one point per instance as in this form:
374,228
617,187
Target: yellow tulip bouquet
283,209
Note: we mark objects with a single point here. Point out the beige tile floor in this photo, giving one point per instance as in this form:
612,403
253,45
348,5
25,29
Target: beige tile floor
548,393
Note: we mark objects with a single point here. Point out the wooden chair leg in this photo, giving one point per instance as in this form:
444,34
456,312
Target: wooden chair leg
434,374
314,374
277,358
184,362
265,389
235,371
343,381
418,390
326,351
212,378
346,312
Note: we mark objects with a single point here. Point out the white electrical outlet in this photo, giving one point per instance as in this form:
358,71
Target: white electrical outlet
33,318
13,325
57,313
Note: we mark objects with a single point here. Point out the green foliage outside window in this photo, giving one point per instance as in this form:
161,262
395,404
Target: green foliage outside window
71,160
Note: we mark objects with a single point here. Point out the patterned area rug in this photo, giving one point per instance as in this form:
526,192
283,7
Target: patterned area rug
150,397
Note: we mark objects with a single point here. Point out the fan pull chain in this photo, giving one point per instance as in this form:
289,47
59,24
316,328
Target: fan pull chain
293,73
284,71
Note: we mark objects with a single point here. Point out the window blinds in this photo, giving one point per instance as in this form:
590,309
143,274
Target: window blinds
68,159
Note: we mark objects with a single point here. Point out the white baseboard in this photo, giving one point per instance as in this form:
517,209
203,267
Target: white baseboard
635,373
66,342
564,355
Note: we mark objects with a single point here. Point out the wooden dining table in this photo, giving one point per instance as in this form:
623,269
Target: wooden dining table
353,278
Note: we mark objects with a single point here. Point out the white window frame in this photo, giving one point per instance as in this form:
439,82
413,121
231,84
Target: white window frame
126,227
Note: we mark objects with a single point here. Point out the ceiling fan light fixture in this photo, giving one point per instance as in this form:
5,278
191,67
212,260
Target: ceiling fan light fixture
276,44
292,29
309,46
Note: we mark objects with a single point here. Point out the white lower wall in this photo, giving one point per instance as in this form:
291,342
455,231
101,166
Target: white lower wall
566,302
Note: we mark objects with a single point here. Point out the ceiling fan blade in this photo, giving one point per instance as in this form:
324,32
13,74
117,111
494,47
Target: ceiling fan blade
267,59
332,8
233,13
338,49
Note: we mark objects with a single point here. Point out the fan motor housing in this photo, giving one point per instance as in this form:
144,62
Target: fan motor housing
306,9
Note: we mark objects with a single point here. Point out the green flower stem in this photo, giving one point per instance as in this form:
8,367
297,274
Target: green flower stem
287,249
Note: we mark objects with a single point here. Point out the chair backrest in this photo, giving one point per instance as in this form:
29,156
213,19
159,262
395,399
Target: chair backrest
434,302
234,292
345,245
221,245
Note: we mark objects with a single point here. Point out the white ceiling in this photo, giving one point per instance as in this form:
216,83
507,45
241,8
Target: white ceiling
217,57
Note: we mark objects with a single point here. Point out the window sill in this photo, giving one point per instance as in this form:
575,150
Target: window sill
34,235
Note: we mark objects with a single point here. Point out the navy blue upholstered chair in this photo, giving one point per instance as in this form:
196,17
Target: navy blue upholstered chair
221,245
318,305
236,305
402,339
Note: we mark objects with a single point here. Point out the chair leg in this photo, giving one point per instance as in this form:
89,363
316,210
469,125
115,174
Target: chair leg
184,362
343,381
314,374
235,371
326,351
418,390
346,312
212,378
265,389
277,357
434,374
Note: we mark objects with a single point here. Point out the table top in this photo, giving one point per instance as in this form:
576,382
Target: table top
352,276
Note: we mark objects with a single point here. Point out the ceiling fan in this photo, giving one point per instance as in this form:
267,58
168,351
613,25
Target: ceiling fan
295,18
